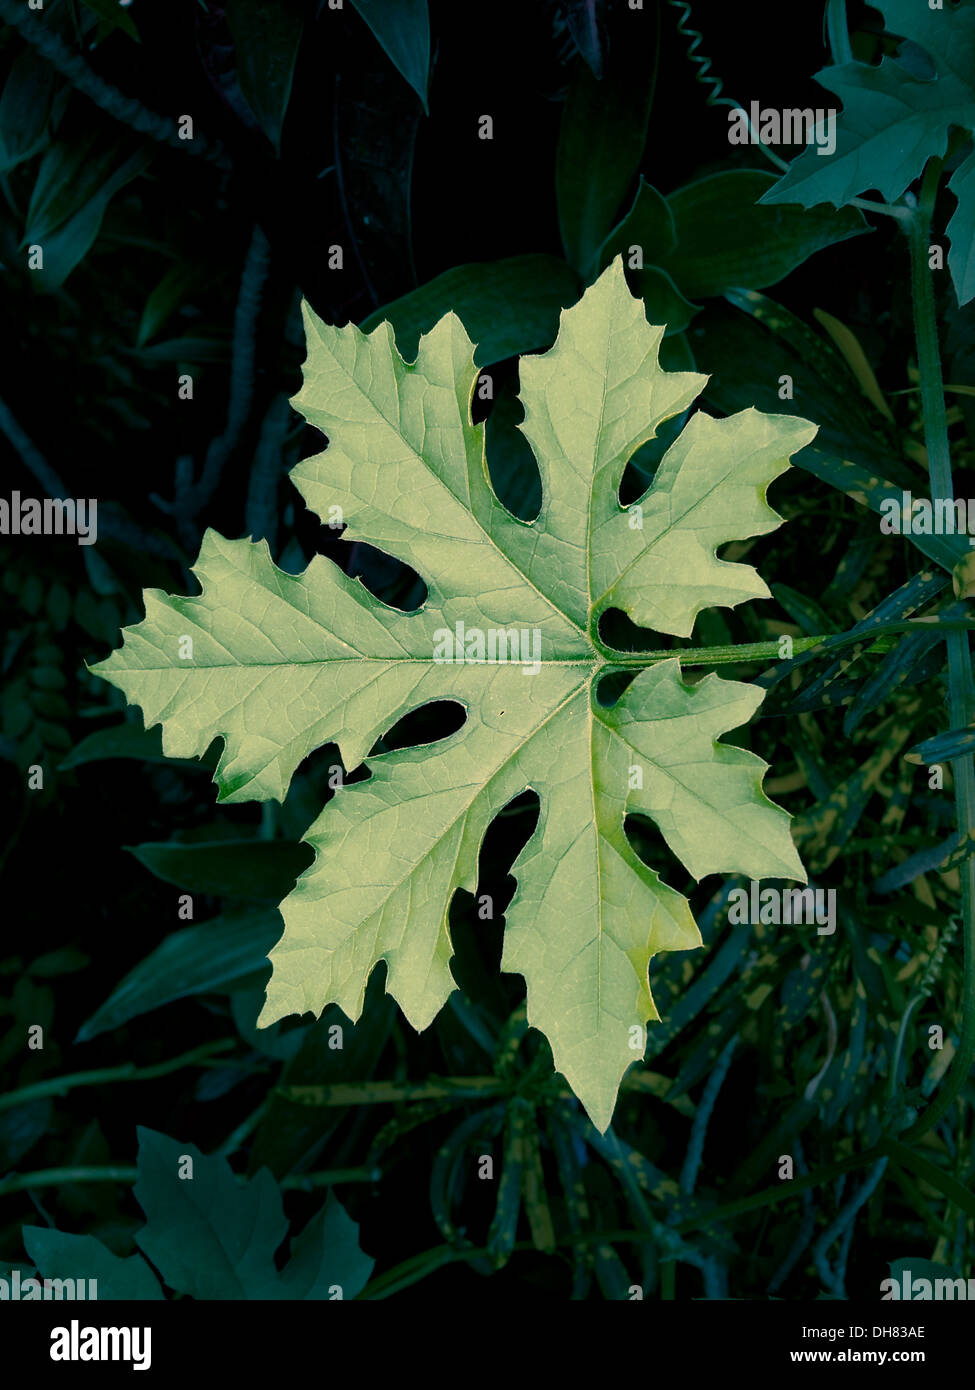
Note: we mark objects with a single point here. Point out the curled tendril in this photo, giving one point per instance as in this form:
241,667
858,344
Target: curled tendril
707,79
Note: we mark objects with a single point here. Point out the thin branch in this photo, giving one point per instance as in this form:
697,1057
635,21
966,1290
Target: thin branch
60,1085
123,108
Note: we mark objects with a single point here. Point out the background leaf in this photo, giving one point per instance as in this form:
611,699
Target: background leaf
25,108
193,960
266,41
507,306
241,868
402,27
601,140
58,1255
724,238
213,1237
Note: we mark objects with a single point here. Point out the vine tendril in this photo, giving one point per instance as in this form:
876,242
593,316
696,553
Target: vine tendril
707,79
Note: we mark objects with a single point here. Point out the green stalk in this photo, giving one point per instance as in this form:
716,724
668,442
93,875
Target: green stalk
128,1172
711,656
959,659
838,32
128,1071
308,1182
59,1177
761,651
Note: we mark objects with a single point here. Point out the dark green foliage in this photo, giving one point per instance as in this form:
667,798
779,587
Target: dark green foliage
169,260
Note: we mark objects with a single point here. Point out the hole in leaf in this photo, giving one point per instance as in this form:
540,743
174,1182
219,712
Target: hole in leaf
619,631
477,927
383,575
388,579
511,463
648,843
640,471
637,475
610,688
430,723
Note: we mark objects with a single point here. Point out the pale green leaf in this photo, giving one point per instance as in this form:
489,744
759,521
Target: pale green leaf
282,664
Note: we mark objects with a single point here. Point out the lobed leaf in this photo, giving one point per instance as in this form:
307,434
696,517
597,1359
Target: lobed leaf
281,664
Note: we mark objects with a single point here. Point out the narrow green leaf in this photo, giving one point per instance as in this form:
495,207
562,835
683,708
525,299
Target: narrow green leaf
664,301
949,1186
125,741
954,743
601,140
912,659
25,109
266,41
649,225
238,868
165,299
112,13
66,242
187,350
194,960
402,27
70,175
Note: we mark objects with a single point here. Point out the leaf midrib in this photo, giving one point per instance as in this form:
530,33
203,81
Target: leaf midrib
586,661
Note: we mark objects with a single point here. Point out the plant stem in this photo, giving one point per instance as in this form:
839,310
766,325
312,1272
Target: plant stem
59,1085
458,1088
838,32
959,659
307,1182
759,651
128,1172
886,209
712,656
895,1062
58,1177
